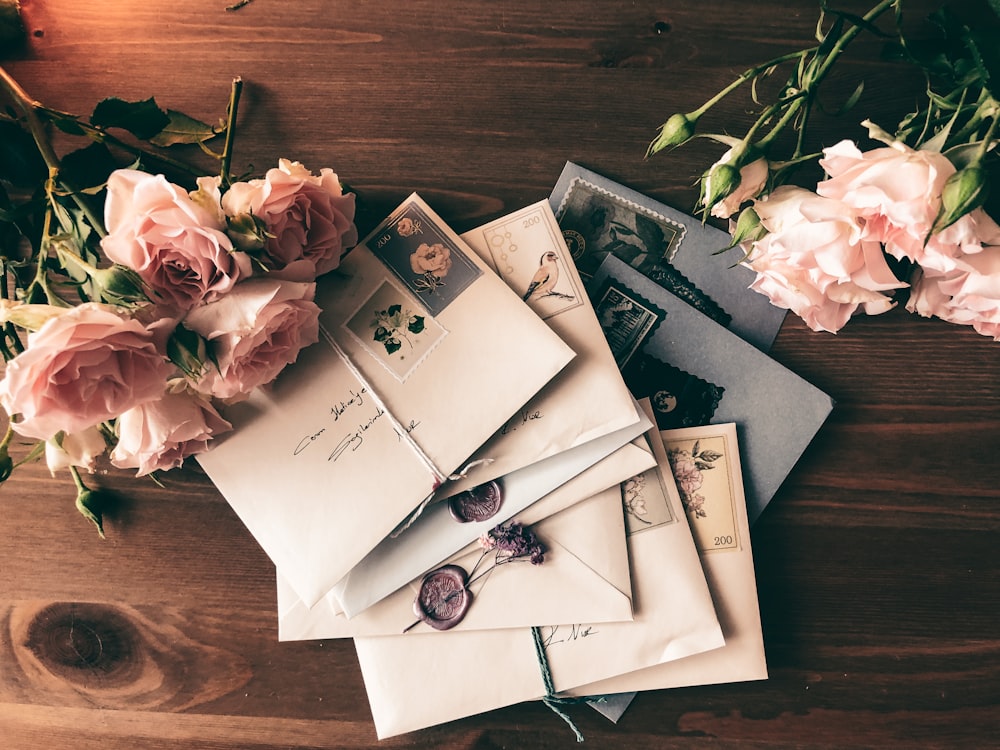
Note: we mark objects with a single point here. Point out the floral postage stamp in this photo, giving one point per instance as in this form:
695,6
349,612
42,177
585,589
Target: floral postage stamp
646,502
397,332
423,257
702,469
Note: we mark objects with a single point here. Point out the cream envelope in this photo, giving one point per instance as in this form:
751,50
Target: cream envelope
585,571
730,573
527,250
417,684
435,535
424,354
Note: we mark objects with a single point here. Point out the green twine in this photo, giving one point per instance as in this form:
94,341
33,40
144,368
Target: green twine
550,699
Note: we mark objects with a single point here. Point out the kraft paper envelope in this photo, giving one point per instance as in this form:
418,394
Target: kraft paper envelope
730,573
415,684
424,353
588,398
584,576
435,536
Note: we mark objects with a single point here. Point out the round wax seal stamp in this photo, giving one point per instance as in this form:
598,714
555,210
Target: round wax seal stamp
443,598
480,503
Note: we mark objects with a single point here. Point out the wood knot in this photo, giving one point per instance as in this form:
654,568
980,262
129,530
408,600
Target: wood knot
82,641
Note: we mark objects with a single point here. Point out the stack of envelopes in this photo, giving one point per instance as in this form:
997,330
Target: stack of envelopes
584,367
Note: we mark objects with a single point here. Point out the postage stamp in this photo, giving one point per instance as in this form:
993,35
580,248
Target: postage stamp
394,330
627,320
529,254
423,257
597,221
703,473
646,502
679,399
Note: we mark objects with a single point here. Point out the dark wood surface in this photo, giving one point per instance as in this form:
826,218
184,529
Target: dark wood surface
877,561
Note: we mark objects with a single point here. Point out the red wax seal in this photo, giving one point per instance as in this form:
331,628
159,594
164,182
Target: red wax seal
443,598
478,504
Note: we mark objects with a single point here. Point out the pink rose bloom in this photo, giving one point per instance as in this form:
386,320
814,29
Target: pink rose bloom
753,178
158,435
309,218
969,296
947,250
435,259
895,190
175,243
79,449
817,261
81,368
254,331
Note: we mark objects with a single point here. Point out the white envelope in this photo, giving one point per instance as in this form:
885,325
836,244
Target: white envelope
730,575
435,536
415,684
585,571
588,398
413,372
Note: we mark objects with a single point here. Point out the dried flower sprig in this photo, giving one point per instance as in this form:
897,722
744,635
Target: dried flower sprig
445,596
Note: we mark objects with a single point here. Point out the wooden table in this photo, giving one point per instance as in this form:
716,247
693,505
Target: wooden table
877,561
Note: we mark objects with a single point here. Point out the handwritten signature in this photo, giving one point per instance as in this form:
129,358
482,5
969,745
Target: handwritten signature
521,418
355,439
575,632
356,399
353,399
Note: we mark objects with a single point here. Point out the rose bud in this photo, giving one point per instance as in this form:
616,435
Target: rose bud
678,129
963,192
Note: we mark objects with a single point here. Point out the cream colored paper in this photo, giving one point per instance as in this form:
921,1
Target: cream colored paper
415,684
326,463
588,398
435,535
585,575
731,578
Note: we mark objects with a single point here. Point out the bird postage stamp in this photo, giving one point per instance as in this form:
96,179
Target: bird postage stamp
541,279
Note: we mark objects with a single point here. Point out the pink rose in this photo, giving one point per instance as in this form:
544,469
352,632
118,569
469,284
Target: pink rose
158,435
77,449
894,190
968,296
435,259
254,331
308,217
817,261
948,250
82,367
753,178
175,243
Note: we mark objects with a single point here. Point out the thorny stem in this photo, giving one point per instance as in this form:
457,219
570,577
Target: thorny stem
30,108
227,149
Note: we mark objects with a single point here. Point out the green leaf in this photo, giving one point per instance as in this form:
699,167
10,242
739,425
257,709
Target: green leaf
393,309
142,119
88,167
416,324
381,333
392,345
182,129
20,162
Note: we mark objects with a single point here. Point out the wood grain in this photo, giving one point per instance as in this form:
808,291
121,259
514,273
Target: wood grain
877,561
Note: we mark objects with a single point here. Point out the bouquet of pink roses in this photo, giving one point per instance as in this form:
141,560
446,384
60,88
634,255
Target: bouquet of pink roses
904,215
125,324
